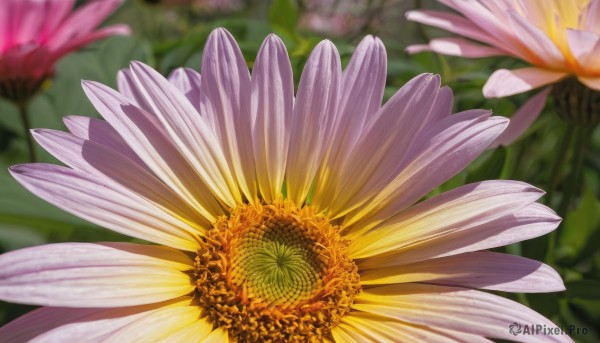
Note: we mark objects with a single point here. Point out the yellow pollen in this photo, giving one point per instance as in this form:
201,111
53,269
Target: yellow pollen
275,273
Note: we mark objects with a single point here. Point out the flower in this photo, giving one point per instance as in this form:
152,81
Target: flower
276,217
204,5
337,18
560,39
35,34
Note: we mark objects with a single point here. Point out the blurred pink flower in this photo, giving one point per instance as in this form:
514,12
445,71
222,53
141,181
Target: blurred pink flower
558,38
338,18
35,34
347,253
219,5
205,5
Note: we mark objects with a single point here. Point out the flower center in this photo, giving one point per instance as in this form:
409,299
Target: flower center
275,273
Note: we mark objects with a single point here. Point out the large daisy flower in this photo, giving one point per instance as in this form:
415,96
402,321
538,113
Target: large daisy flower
277,217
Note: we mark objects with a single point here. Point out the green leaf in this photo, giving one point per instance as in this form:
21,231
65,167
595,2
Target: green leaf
588,289
579,227
544,303
283,15
490,169
12,237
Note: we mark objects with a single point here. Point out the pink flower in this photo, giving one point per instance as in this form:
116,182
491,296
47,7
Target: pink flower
35,34
277,217
336,18
558,38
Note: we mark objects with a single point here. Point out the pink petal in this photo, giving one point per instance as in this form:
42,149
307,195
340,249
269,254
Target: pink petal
442,107
99,131
84,196
463,47
122,174
416,48
592,20
490,23
94,275
545,51
385,141
225,101
188,82
313,117
487,270
522,119
437,154
505,82
451,23
532,221
81,22
190,133
74,44
363,82
585,47
59,325
453,308
128,87
57,11
145,135
592,82
448,213
25,23
272,106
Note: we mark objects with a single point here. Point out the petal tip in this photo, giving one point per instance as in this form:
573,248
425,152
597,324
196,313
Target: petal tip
219,33
17,169
409,15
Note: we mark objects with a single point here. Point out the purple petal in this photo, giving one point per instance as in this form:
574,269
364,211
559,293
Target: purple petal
99,131
453,308
487,270
385,140
59,325
84,196
445,214
272,105
94,275
145,135
436,155
128,87
188,82
225,101
113,168
522,119
188,130
313,118
363,82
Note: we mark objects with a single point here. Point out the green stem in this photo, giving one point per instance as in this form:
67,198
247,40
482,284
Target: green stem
581,145
582,137
26,127
559,162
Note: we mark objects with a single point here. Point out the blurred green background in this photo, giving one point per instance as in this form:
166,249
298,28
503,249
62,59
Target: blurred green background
170,34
